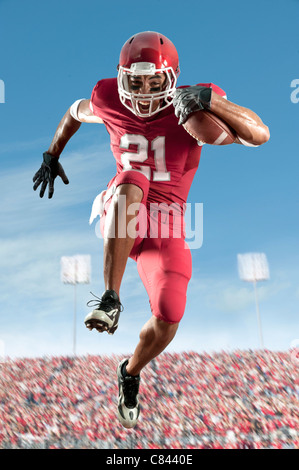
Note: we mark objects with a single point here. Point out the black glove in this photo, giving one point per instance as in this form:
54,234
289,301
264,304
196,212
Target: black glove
47,173
191,99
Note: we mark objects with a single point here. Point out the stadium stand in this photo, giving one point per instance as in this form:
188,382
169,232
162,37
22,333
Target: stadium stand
225,400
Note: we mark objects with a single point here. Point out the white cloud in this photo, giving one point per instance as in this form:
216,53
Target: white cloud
22,146
233,296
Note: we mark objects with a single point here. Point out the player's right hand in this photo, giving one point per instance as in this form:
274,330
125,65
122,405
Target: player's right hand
49,170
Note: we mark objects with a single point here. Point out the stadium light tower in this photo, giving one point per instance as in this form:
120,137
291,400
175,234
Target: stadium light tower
253,267
75,270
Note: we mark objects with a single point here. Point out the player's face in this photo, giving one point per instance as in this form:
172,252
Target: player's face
146,85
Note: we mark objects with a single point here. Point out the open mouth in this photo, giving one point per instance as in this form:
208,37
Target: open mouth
143,106
146,107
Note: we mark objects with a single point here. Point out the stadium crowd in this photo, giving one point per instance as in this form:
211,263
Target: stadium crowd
225,400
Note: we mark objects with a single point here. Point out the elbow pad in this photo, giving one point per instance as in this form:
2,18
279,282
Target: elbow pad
74,109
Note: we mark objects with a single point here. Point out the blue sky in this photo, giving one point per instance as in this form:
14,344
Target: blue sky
52,54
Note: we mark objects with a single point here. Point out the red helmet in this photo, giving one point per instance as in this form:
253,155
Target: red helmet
148,53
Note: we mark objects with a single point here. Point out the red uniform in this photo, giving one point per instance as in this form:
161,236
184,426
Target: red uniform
160,157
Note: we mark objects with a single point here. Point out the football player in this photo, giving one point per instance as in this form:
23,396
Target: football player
156,160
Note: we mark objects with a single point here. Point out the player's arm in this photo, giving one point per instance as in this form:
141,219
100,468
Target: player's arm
79,112
248,125
70,123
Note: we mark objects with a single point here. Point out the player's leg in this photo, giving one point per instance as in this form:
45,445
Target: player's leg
165,269
166,277
118,241
154,337
120,236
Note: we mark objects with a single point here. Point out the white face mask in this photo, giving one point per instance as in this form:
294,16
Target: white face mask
131,100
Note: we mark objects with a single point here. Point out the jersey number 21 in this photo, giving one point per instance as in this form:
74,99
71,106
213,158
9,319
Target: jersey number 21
157,146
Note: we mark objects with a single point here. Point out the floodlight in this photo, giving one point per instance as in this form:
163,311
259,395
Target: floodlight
253,267
75,270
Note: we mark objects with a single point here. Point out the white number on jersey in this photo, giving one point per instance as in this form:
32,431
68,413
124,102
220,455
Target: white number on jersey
158,147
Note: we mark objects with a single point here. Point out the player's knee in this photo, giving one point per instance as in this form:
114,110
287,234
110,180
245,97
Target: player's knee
170,317
171,308
171,297
158,331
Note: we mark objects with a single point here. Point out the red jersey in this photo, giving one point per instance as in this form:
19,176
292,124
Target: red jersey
156,146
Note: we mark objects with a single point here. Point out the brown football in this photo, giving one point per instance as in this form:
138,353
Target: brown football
208,128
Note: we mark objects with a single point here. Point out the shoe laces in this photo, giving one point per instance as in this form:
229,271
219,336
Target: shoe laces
104,303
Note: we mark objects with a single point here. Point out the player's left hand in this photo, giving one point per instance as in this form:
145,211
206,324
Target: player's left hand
190,99
49,170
